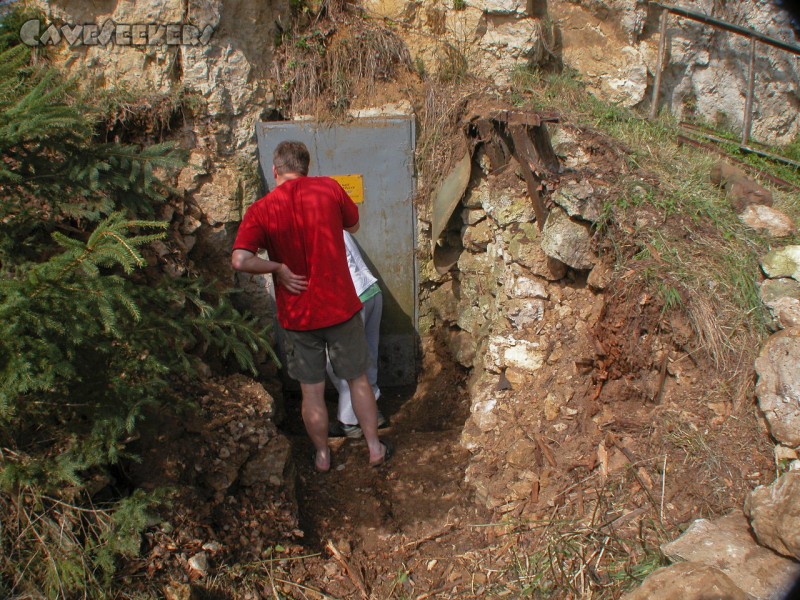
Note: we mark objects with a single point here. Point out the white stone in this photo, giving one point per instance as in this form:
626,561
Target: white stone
778,386
765,218
521,286
199,563
528,356
483,414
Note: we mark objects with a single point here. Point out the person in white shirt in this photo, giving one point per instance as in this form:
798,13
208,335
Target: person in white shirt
369,292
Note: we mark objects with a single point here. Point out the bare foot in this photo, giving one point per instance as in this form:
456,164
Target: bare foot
388,450
322,460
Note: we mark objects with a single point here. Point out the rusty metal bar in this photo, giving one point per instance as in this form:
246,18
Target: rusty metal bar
771,156
746,31
777,181
748,105
662,49
519,134
700,131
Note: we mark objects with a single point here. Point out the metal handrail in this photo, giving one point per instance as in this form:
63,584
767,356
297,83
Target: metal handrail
745,31
718,23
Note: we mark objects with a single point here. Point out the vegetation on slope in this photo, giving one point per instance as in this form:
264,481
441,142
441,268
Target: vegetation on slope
88,336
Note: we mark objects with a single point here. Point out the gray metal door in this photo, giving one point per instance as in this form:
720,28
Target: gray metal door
376,158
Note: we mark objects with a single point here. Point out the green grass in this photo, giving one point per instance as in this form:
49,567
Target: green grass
702,260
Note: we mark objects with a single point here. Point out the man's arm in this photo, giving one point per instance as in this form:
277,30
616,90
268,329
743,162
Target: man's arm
247,262
354,228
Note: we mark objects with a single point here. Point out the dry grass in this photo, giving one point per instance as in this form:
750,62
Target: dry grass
320,70
441,141
699,259
594,546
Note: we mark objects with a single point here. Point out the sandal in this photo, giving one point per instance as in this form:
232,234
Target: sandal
387,454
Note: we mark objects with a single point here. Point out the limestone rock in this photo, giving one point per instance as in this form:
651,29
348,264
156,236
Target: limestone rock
728,545
472,216
199,563
483,411
524,313
443,301
600,275
268,464
506,351
782,296
524,248
506,206
769,220
463,347
220,196
568,241
778,387
774,512
477,237
505,42
225,472
687,581
579,199
566,146
189,176
476,262
782,262
528,356
522,285
521,453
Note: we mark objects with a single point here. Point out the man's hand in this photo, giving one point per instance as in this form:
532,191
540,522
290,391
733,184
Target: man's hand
248,262
294,283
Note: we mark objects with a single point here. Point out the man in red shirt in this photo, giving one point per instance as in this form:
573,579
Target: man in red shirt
300,224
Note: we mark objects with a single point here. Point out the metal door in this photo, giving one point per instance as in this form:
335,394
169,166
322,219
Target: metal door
378,154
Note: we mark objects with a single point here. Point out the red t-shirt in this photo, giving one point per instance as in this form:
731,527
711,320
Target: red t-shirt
300,224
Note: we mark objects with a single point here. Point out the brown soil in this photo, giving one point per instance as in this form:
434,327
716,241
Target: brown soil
413,528
653,441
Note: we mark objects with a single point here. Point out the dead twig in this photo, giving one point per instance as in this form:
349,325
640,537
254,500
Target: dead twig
632,459
548,454
447,527
354,577
662,376
615,522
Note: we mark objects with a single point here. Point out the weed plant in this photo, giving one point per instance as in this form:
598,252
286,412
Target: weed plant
87,340
612,545
702,260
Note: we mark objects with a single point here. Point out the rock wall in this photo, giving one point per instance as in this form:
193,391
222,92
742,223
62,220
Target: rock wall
227,78
612,44
518,309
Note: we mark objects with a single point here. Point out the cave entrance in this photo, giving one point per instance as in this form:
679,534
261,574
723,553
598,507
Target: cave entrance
373,159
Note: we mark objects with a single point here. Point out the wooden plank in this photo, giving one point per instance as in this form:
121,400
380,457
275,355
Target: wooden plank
494,149
519,135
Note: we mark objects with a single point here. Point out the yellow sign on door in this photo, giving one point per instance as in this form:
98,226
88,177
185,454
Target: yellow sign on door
353,185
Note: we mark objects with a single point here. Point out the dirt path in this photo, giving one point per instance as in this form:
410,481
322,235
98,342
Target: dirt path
408,528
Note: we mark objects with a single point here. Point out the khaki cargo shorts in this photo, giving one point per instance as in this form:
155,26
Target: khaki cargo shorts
346,345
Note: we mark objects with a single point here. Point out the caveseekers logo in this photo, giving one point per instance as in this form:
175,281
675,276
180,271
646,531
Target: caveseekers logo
32,33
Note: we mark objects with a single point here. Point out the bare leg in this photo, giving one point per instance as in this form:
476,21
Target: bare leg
367,412
315,417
